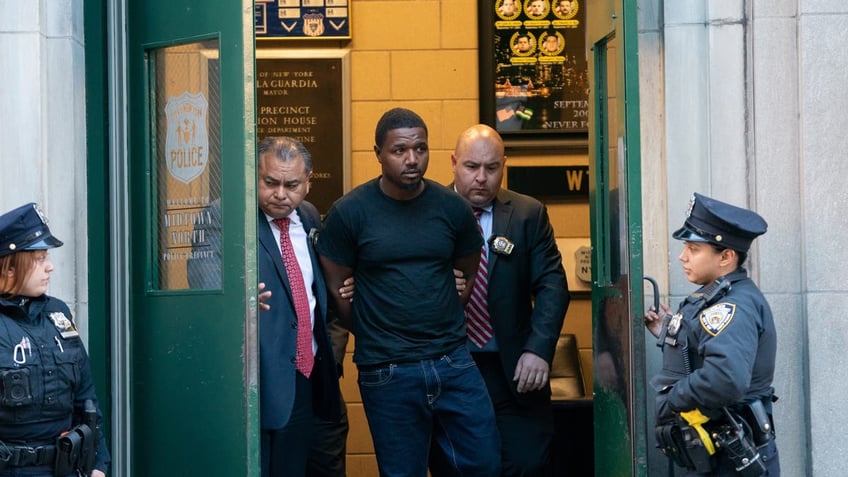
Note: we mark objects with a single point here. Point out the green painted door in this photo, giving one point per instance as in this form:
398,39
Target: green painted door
615,214
193,349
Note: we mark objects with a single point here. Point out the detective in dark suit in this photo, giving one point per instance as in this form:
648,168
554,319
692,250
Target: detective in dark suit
328,454
527,297
289,399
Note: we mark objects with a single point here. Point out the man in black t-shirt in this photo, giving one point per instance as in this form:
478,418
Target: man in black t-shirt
401,236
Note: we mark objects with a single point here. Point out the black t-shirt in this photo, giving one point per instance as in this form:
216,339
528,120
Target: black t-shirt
406,307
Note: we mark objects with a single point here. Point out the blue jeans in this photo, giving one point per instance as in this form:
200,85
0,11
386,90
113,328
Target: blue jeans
444,399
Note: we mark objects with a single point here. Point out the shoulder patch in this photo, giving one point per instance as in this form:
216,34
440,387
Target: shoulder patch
716,318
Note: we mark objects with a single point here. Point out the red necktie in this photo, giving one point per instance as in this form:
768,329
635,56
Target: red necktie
305,358
477,320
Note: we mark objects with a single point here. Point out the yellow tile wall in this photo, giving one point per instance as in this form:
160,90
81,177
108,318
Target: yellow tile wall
418,54
422,55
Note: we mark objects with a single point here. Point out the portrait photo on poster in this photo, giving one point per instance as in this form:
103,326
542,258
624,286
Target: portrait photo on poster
533,67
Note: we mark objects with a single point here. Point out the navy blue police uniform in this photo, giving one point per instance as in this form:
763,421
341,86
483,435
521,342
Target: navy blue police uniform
715,393
45,378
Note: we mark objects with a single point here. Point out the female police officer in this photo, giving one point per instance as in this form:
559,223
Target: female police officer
714,392
48,413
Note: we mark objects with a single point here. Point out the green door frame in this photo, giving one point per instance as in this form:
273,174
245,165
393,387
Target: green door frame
616,228
111,153
97,169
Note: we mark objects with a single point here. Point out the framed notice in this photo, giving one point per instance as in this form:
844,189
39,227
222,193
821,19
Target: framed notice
302,19
533,68
305,95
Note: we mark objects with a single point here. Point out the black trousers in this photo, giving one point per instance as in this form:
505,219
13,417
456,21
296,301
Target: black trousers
33,471
726,468
285,451
329,444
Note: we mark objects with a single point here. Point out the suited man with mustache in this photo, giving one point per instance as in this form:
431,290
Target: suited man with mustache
298,374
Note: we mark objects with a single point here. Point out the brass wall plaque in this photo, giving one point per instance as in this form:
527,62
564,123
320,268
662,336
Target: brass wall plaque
306,98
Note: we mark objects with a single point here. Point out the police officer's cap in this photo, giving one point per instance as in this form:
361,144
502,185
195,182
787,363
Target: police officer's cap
25,228
714,221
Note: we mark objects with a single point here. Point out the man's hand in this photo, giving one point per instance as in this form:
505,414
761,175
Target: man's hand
663,411
346,291
263,296
97,473
531,372
460,281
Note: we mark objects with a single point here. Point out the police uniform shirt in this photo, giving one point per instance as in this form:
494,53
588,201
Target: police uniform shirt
732,348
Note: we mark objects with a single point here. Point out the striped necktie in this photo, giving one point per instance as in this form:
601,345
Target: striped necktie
477,320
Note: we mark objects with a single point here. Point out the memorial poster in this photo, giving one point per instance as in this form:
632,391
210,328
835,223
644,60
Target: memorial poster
538,66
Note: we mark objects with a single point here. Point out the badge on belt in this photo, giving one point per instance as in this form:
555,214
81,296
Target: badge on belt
63,324
501,245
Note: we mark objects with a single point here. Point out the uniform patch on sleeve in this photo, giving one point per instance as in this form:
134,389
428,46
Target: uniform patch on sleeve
716,318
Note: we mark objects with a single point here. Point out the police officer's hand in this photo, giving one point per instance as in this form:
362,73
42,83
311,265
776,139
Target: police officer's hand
263,297
663,411
97,473
653,320
461,282
346,291
531,372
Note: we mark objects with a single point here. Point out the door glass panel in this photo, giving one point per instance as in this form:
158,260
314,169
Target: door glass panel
612,333
187,171
617,200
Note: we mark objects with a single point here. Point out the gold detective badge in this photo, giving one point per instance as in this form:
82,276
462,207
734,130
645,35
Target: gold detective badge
502,245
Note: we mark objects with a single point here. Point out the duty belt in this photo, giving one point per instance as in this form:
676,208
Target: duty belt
26,456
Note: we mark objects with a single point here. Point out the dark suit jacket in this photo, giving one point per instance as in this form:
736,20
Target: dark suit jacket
528,293
278,333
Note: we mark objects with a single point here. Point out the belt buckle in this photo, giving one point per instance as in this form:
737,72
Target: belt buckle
28,455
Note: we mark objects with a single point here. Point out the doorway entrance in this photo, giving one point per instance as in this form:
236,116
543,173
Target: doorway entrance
198,374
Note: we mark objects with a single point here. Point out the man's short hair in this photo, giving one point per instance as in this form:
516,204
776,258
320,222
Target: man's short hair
286,149
396,118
